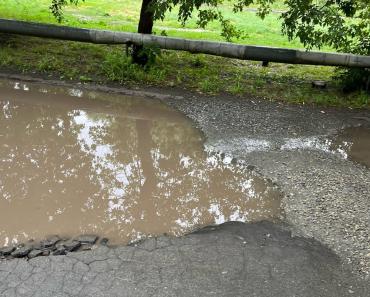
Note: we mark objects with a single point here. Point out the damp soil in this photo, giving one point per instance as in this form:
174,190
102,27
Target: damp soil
82,162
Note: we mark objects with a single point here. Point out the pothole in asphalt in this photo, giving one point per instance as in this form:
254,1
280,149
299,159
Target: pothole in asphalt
354,143
351,143
81,162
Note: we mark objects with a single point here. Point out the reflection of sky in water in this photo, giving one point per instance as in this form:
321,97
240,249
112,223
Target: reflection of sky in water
21,86
92,143
90,138
123,171
248,145
244,144
321,144
76,170
75,93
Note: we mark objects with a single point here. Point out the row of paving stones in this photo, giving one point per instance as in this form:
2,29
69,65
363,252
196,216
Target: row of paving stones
52,245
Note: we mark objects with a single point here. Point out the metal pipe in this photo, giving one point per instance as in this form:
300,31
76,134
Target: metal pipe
224,49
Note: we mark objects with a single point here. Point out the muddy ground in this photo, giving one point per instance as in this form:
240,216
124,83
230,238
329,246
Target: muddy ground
326,204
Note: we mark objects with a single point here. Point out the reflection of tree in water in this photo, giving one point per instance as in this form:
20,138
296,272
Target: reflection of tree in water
118,176
40,170
170,185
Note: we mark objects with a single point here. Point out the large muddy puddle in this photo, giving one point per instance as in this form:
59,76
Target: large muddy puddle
80,162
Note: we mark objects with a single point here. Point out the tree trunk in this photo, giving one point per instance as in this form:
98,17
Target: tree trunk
145,27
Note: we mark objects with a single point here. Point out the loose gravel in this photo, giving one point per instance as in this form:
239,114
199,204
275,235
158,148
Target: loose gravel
326,196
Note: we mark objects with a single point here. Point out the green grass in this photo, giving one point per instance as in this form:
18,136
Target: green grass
123,15
200,73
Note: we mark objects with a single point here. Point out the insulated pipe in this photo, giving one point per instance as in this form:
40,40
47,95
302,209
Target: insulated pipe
223,49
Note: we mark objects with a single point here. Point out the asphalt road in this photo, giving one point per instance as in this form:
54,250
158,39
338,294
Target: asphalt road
326,197
233,260
326,203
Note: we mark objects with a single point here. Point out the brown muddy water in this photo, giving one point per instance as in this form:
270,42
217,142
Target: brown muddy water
351,143
80,162
354,144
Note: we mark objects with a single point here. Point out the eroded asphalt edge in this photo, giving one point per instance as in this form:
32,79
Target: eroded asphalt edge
238,119
326,197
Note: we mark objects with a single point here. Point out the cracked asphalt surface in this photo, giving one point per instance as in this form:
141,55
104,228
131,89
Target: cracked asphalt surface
326,197
233,260
326,204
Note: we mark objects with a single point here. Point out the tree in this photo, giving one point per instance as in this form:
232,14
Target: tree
152,10
340,24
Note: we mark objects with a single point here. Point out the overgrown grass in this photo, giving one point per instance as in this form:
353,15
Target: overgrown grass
199,73
205,74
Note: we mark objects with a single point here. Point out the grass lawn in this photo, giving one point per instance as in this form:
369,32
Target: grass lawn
123,15
206,74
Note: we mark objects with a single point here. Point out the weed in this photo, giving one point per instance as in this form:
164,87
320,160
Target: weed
208,74
209,85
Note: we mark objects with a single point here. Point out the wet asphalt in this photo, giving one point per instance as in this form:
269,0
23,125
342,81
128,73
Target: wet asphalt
326,197
233,260
321,248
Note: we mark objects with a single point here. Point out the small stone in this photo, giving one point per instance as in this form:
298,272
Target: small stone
45,252
87,239
71,246
60,251
252,168
52,248
5,251
234,161
319,84
50,241
21,252
59,244
86,247
37,246
35,253
104,241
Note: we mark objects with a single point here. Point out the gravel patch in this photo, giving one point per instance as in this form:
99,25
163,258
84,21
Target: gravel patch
326,196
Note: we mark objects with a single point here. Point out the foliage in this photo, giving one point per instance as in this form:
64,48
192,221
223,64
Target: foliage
57,5
341,24
123,15
207,11
354,79
104,64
